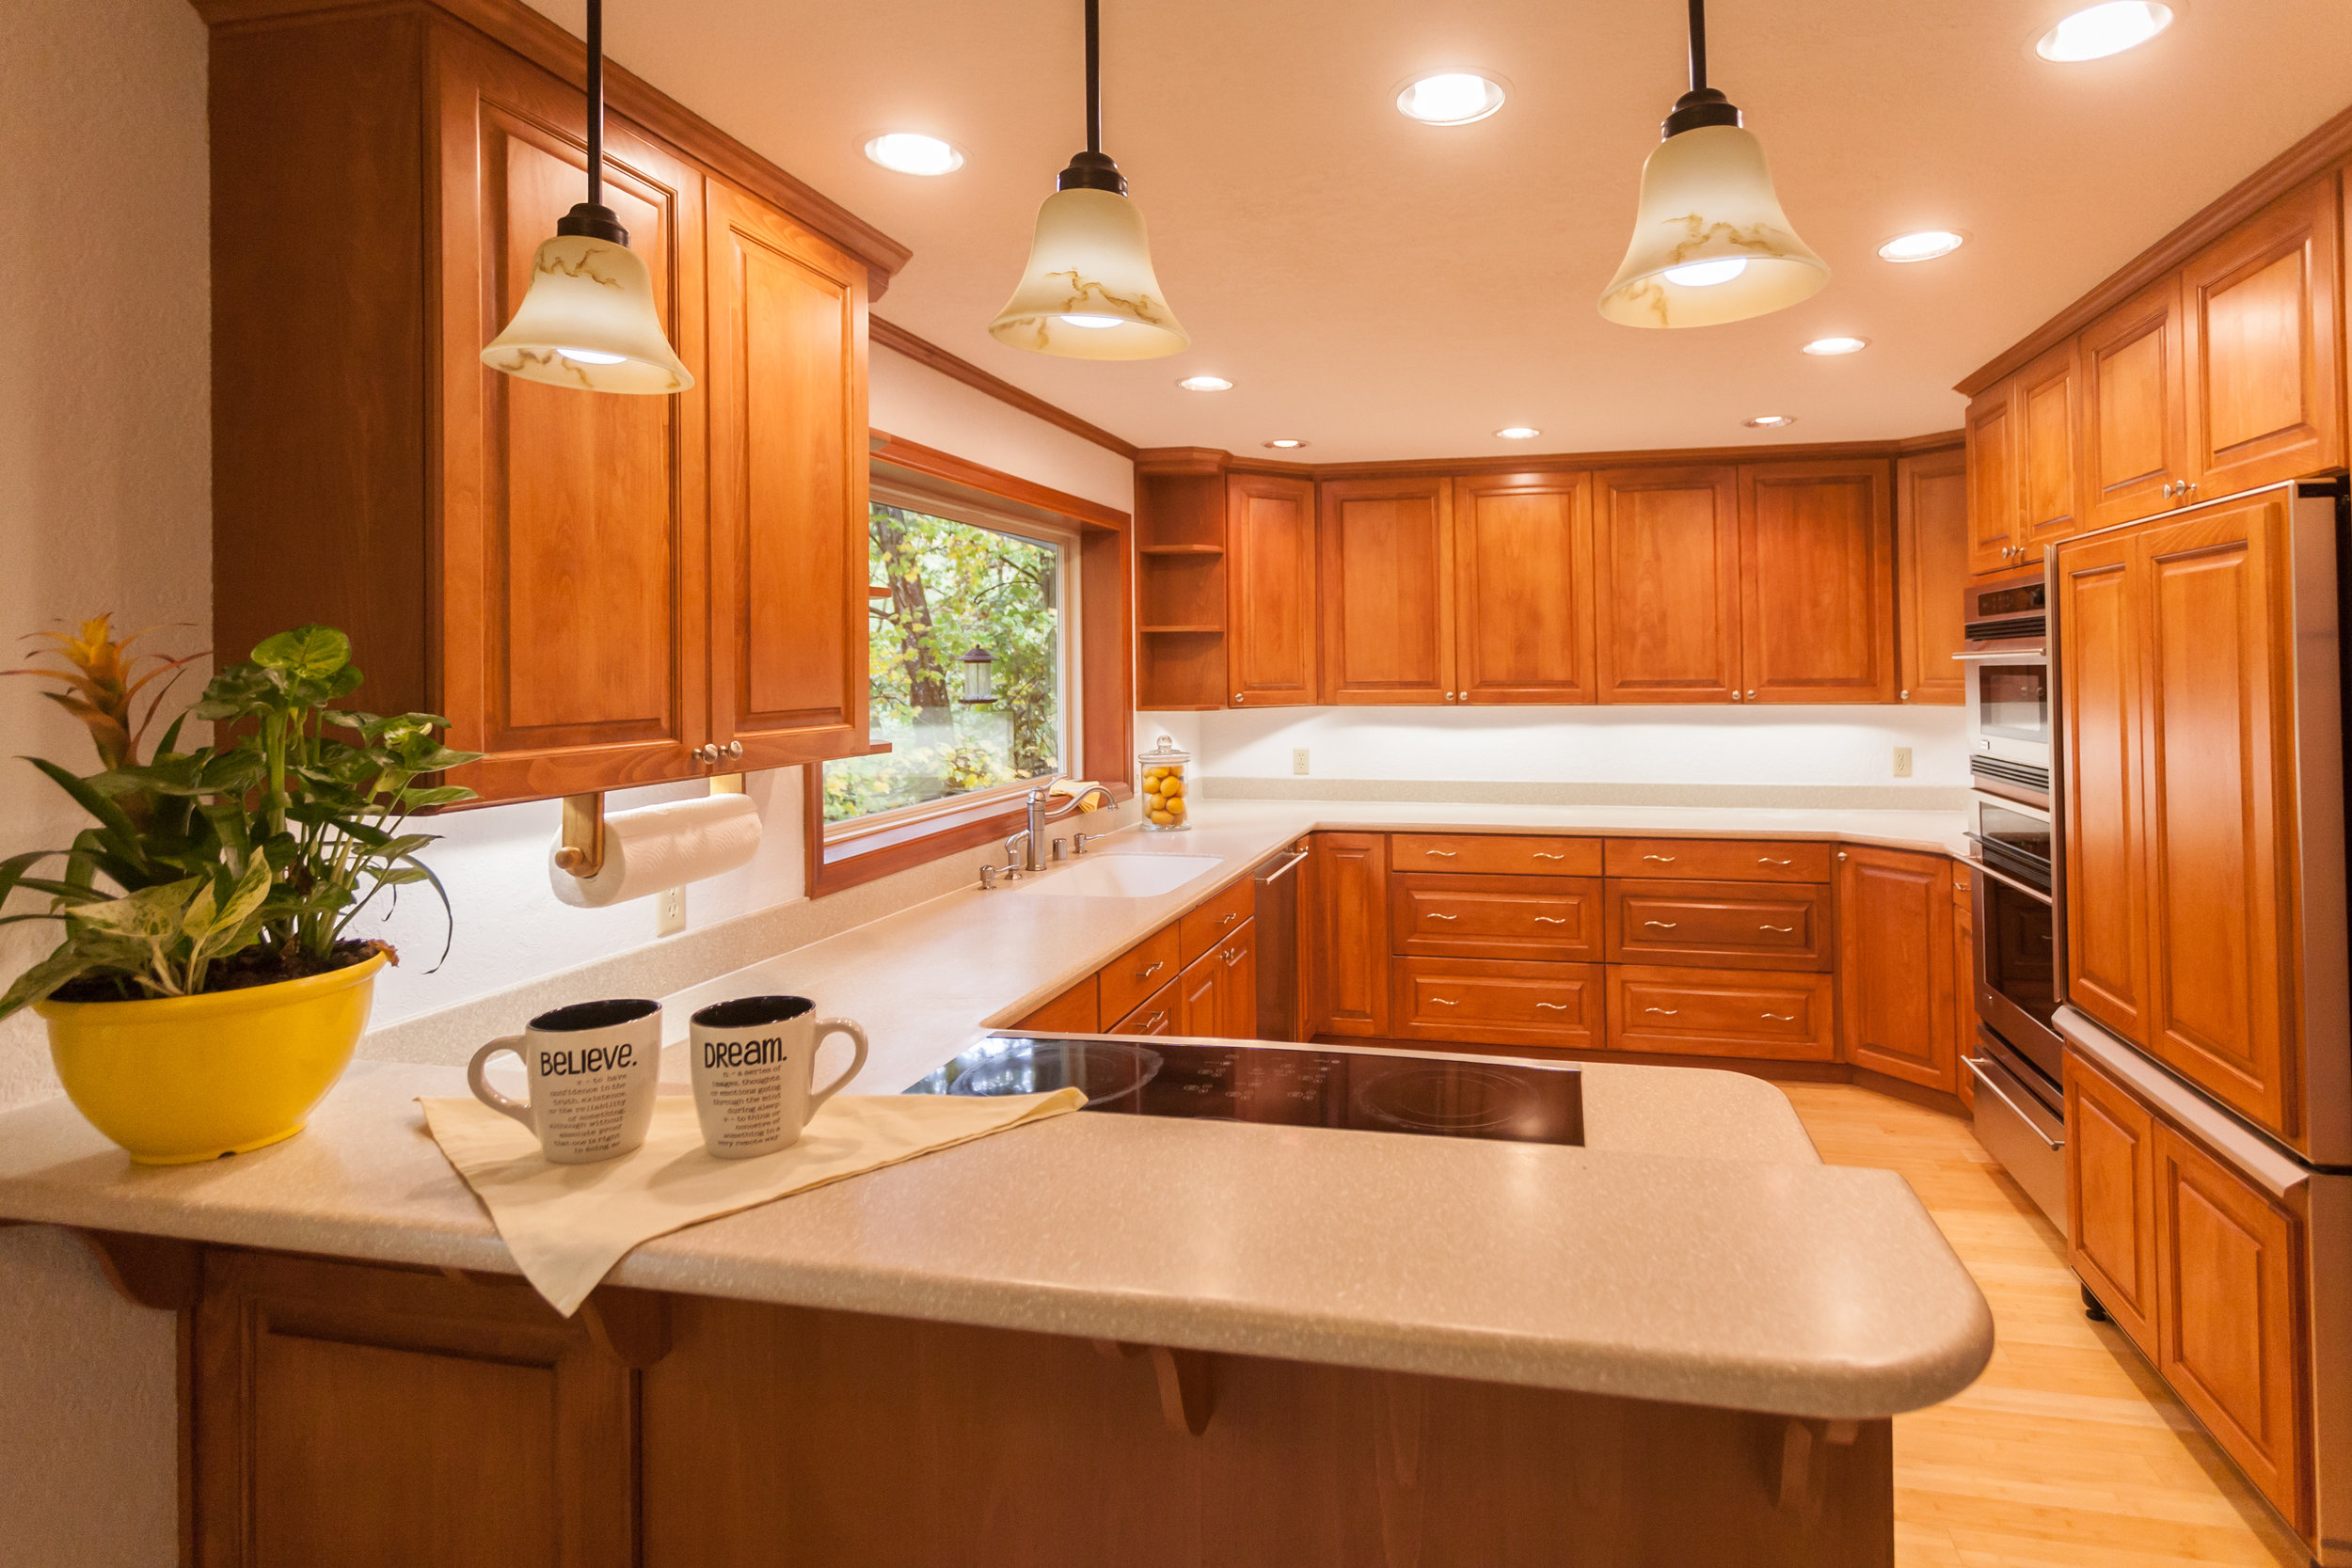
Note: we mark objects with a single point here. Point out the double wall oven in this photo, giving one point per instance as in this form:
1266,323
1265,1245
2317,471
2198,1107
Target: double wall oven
2017,1064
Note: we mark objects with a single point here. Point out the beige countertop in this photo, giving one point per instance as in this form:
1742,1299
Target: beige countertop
1695,1250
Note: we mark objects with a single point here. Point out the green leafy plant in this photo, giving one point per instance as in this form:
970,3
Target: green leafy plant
236,864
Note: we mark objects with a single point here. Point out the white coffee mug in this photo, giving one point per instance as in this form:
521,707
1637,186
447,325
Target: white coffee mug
593,1068
754,1060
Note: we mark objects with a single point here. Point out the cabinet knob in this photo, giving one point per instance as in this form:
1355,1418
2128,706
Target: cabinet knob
1841,854
1906,696
1449,696
707,753
1237,697
1751,693
1735,693
734,749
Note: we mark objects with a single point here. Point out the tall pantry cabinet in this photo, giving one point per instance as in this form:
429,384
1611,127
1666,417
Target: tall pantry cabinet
596,590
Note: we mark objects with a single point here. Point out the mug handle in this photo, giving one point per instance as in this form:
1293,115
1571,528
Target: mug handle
490,1096
857,1036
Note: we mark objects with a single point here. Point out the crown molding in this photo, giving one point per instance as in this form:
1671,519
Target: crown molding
926,352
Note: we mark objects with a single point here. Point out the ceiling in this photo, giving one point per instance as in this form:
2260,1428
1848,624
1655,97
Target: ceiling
1385,288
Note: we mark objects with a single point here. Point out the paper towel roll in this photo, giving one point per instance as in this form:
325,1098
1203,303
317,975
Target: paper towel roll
654,848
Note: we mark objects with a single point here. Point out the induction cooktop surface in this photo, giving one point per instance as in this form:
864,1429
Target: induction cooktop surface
1291,1085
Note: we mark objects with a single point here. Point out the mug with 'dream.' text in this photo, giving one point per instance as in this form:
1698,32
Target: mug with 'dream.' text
593,1068
754,1060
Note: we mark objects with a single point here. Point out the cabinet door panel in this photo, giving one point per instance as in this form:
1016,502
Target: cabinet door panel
1270,580
787,488
1894,985
2106,934
2135,428
2229,1329
1993,493
1343,935
1236,958
1523,576
2264,371
1931,563
2218,816
2110,1198
1666,581
573,526
1388,592
2048,423
1964,979
1816,583
1201,1000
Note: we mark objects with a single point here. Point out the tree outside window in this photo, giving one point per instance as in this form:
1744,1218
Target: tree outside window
954,586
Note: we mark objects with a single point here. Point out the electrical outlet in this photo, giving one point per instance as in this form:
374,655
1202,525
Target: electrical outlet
669,912
1299,762
1902,762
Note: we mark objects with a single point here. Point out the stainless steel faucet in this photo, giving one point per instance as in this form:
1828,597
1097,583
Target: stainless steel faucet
1033,835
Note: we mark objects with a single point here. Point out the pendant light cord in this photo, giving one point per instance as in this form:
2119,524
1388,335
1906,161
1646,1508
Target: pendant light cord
1094,75
596,100
1698,44
1702,105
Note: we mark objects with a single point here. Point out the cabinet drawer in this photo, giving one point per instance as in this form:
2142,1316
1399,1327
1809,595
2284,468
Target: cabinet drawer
1139,972
1074,1012
1496,917
1474,1002
1719,859
1720,925
1495,854
1214,918
1701,1012
1154,1015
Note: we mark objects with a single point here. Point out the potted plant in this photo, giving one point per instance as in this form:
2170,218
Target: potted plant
205,994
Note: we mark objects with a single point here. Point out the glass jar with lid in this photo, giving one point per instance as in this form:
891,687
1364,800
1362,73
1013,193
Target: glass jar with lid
1165,793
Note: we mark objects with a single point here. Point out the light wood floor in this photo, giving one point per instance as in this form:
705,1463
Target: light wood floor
2067,1453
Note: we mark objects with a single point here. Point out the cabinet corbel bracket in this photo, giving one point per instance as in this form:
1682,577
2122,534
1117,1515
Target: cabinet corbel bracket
582,853
163,1272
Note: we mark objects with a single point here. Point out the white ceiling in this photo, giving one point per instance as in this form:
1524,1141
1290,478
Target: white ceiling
1386,288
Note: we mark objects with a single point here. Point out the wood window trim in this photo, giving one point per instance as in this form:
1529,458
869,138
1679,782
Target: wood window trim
1105,661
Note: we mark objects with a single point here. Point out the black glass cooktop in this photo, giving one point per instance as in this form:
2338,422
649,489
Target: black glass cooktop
1287,1086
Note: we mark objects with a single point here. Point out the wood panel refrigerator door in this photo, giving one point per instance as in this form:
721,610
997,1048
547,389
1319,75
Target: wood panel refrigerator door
2111,1198
1816,583
789,677
1893,974
2048,417
1931,575
1388,592
1993,496
1270,590
2264,370
1523,589
1666,584
2221,830
573,525
2230,1339
1343,935
2100,804
2135,442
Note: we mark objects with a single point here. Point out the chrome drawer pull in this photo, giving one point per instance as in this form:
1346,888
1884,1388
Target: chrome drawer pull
1446,854
1661,925
1551,920
1230,918
1668,1011
1663,860
1784,930
1147,973
1233,956
1541,856
1781,1017
1445,1001
1154,1021
1553,1007
1445,917
1768,860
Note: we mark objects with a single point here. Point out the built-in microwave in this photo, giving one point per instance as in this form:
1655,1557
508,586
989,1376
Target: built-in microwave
2006,627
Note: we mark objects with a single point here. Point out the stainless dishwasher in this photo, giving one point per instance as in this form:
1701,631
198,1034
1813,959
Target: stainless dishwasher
1278,946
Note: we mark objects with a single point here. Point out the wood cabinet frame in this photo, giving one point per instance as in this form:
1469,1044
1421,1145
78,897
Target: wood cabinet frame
1931,568
1551,577
1642,656
1394,590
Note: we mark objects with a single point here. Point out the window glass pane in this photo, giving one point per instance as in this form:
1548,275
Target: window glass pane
955,587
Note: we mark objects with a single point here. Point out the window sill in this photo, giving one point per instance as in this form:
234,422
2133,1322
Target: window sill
850,854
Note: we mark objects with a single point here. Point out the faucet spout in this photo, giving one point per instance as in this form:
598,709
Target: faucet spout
1041,799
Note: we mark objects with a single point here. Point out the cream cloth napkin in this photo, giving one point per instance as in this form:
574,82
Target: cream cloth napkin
567,1225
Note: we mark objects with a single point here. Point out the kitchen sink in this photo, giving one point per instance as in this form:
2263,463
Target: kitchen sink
1105,875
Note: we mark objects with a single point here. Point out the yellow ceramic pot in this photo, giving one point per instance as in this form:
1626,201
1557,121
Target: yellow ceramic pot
179,1079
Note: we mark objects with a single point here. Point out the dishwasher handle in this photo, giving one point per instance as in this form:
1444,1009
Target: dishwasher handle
1986,1082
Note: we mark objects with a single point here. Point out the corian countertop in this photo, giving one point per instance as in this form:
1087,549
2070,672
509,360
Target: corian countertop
1695,1250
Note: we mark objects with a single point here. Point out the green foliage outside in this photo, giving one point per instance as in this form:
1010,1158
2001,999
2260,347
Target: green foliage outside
952,586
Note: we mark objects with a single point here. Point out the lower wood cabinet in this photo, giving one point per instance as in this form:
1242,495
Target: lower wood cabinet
1719,1012
1496,917
1719,925
1964,977
2110,1198
1157,1014
1893,969
1497,1002
1343,962
1076,1011
1216,995
1128,980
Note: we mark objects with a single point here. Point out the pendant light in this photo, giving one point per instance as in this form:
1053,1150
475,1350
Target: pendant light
1710,242
589,320
1090,292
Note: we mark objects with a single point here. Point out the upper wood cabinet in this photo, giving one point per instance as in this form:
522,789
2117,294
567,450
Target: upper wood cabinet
1270,626
1931,568
1993,498
1522,551
1895,996
597,590
2046,414
2262,308
2135,414
1816,583
1666,582
1388,592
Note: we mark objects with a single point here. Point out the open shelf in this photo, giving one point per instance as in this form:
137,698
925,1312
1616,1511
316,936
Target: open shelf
1182,549
1182,631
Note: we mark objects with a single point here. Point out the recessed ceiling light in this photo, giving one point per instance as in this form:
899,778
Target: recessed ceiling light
1836,345
1450,98
1205,384
1286,443
1926,245
912,152
1705,275
2103,30
1771,421
1519,433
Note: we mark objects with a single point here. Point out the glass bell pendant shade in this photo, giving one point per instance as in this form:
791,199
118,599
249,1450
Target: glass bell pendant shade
1711,244
1088,292
588,321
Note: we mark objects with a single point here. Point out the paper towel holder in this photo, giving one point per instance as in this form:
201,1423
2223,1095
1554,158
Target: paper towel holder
582,853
